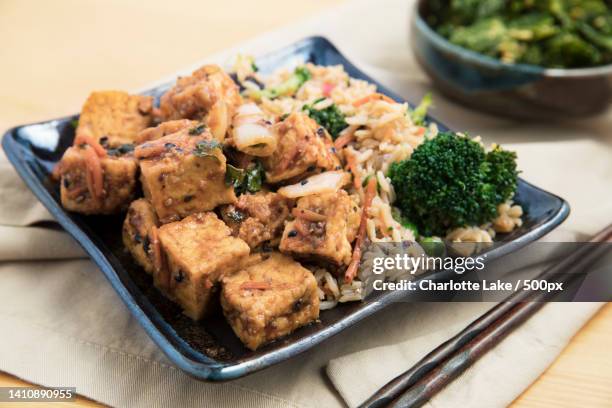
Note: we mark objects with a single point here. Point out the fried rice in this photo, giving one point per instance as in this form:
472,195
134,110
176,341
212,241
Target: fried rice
380,132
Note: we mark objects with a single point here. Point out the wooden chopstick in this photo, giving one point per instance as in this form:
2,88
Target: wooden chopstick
437,369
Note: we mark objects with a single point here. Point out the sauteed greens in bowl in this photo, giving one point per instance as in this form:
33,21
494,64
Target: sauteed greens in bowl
548,33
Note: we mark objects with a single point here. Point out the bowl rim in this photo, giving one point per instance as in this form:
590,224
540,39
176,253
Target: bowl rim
494,63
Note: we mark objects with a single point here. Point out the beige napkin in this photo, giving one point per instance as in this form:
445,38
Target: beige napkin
62,324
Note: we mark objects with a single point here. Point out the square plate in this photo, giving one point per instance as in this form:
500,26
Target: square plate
209,350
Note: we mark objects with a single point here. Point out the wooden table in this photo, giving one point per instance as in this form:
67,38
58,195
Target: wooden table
53,51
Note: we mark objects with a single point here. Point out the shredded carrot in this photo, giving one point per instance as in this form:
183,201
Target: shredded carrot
351,271
94,174
149,150
75,192
372,97
343,140
370,192
308,215
89,140
420,131
255,285
351,162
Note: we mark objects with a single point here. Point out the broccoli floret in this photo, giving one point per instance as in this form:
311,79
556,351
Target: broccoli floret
433,246
404,222
331,118
288,87
450,181
501,172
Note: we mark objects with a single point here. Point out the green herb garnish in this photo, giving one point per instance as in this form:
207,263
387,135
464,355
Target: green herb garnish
206,148
255,177
245,180
121,150
234,177
420,112
197,130
287,88
331,118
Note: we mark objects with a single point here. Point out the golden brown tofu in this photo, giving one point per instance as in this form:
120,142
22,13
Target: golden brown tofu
257,218
269,300
115,118
183,174
207,93
324,227
198,251
303,148
90,184
139,221
165,129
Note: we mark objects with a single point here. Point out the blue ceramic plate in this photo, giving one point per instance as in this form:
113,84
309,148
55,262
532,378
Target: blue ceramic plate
209,350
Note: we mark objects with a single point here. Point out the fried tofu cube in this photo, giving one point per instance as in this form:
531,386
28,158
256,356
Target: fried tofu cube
324,227
165,129
90,184
115,118
208,93
257,218
137,234
304,148
183,174
269,300
198,251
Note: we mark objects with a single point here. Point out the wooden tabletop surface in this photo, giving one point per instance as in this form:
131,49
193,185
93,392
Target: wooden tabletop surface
53,52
